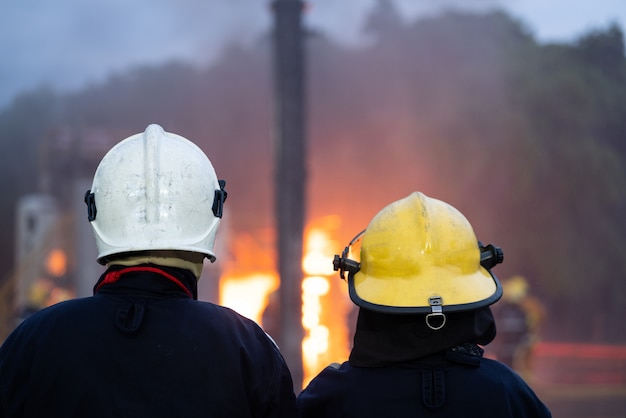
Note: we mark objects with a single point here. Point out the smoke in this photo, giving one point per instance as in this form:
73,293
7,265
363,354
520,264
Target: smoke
69,44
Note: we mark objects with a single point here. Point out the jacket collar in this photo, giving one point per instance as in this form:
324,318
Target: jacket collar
149,277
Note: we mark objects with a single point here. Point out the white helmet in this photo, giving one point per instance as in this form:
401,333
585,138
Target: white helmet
155,191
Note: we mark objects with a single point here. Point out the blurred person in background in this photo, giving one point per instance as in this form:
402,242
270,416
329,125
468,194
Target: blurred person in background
423,286
519,316
143,345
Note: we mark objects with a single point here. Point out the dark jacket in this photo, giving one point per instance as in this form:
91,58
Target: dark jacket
142,347
445,386
400,367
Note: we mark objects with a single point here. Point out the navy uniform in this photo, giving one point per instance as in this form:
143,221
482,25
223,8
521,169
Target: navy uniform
449,383
423,286
143,345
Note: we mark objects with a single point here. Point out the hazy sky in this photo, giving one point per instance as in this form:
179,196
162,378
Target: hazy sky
67,44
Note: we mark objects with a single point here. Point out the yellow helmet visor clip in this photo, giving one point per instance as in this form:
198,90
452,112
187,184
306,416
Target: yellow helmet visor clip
343,263
436,319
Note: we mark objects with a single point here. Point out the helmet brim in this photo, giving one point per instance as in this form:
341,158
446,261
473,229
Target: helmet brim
458,292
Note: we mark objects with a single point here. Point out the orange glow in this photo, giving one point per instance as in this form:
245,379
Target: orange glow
249,276
56,263
323,307
315,343
318,256
249,281
248,295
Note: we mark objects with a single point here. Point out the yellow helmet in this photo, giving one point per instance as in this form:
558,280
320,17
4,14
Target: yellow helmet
420,255
515,288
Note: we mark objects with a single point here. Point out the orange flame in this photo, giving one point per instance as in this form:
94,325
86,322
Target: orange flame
323,307
248,295
247,286
249,277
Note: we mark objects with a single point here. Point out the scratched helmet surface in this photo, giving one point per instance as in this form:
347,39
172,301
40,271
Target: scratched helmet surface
420,253
155,191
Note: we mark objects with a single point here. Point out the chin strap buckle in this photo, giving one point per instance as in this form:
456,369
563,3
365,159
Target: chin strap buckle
436,319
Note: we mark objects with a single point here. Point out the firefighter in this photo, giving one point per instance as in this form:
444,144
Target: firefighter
519,317
143,345
423,285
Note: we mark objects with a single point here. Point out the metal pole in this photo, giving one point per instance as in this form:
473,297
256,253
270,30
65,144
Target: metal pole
290,177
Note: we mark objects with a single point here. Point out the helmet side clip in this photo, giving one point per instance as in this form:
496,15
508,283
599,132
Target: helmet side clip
490,255
343,263
90,201
219,199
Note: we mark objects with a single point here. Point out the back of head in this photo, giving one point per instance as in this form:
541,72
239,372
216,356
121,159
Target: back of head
423,282
155,191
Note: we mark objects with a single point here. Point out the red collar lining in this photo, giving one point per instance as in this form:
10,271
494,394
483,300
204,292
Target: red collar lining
114,276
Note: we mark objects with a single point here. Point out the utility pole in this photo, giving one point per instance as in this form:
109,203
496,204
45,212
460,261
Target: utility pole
290,161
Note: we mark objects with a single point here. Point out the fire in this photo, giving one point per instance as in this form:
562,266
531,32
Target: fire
248,295
316,342
318,254
249,276
324,307
56,263
248,287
